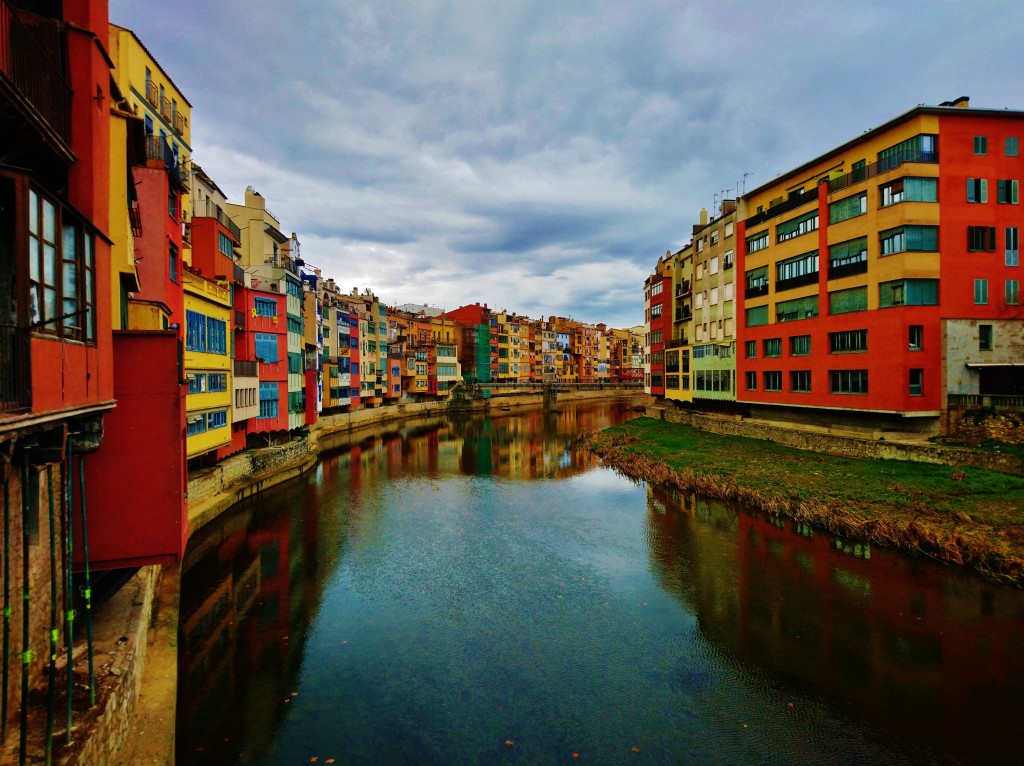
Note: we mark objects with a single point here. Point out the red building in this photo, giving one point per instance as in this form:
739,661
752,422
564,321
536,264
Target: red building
264,340
56,347
882,278
658,317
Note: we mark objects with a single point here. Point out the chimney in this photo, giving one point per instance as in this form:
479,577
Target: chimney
703,216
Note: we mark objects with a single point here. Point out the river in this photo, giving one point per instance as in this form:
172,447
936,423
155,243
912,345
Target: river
480,592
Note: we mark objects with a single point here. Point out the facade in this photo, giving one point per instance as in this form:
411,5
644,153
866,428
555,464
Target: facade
679,349
474,341
881,278
657,313
713,349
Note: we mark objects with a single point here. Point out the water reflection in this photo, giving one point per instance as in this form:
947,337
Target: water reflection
430,592
900,643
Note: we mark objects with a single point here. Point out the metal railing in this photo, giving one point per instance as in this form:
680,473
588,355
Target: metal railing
15,387
797,200
244,368
875,168
207,208
32,72
180,123
153,93
998,401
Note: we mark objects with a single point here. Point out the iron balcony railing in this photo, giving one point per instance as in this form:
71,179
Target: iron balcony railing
999,401
158,149
207,208
870,171
33,73
15,388
153,93
797,200
244,368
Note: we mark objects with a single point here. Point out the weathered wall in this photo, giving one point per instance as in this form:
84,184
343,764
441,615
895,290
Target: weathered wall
846,446
975,426
119,668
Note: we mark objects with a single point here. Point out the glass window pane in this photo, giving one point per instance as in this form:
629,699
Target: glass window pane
49,264
49,221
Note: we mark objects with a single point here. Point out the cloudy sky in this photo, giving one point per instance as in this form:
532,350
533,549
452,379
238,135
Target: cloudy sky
539,155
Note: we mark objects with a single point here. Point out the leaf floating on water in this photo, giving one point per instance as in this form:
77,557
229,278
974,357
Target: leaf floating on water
509,742
314,759
635,749
329,760
789,704
575,755
745,726
295,694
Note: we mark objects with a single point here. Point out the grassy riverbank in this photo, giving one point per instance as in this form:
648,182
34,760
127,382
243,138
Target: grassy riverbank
968,516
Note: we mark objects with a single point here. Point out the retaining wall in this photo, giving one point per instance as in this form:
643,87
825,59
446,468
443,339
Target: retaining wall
839,444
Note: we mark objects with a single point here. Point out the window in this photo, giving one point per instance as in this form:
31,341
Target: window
196,382
848,342
848,208
656,337
751,346
264,307
920,148
224,244
757,317
772,381
714,238
981,239
216,336
713,265
909,238
655,311
195,424
217,419
772,347
908,292
757,281
751,381
848,381
1010,146
801,270
1006,191
848,301
266,347
799,345
1011,241
195,331
850,257
757,242
728,229
172,203
295,325
981,145
908,190
977,190
1012,292
172,262
269,398
980,291
916,382
800,381
984,337
915,337
727,259
799,308
217,381
799,226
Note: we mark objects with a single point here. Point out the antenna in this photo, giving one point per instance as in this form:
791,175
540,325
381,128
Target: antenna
745,183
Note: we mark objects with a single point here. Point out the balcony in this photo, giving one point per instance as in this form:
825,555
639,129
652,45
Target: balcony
166,109
683,288
683,314
847,267
882,166
207,208
756,290
797,200
797,281
37,80
153,94
15,382
246,369
180,123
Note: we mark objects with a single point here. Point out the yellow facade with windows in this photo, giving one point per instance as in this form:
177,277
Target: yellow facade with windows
207,363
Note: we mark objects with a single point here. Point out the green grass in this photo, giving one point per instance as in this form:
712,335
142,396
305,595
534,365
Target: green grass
944,497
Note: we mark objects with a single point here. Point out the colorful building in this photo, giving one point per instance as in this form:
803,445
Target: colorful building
657,314
916,223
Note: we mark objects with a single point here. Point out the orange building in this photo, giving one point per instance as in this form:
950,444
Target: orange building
881,279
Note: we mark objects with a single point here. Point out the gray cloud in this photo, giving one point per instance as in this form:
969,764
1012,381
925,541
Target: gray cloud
541,156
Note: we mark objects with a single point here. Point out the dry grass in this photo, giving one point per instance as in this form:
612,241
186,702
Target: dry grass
913,519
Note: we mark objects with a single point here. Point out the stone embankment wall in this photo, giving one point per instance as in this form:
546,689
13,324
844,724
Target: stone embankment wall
977,426
121,645
839,444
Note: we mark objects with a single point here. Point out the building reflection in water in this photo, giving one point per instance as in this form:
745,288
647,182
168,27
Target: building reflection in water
253,580
904,643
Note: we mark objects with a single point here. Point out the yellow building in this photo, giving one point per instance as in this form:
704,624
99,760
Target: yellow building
678,348
207,365
151,95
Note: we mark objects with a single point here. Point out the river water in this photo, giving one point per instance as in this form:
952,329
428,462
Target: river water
479,592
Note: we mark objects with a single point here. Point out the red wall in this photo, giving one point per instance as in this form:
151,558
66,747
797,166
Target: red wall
136,482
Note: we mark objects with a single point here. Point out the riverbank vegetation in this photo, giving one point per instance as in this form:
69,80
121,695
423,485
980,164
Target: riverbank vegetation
967,516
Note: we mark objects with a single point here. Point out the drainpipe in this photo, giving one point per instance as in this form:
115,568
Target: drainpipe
87,591
51,686
7,598
26,654
68,587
